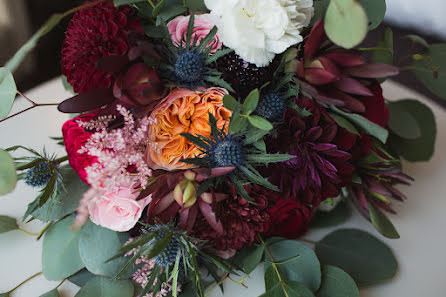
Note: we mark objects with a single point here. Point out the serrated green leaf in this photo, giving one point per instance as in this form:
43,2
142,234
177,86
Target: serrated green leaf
104,287
7,224
346,23
260,123
382,223
8,174
251,102
269,158
336,283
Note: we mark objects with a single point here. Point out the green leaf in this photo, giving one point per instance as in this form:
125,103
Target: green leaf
81,278
382,223
384,50
365,258
257,178
375,9
251,102
159,246
366,125
8,91
250,257
276,288
344,123
67,85
296,289
124,2
104,287
4,294
171,11
158,7
431,71
339,215
196,5
336,283
20,55
7,224
422,148
346,23
97,245
52,293
238,124
60,257
304,269
417,39
65,202
229,102
269,158
260,123
8,174
402,122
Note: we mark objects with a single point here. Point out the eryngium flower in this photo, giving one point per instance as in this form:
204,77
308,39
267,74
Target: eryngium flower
39,175
94,33
320,169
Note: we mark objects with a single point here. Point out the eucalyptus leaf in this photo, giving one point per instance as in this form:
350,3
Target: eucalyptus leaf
346,23
417,39
339,215
52,293
402,122
385,49
8,174
250,257
260,123
285,288
60,257
97,245
4,294
8,91
365,258
382,223
336,283
375,9
196,5
7,224
81,278
104,287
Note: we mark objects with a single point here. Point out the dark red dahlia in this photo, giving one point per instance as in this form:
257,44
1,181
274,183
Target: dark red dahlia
320,169
240,219
94,33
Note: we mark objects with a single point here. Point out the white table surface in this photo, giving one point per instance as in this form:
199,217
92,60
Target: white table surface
420,220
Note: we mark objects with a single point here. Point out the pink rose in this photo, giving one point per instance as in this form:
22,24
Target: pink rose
202,26
117,210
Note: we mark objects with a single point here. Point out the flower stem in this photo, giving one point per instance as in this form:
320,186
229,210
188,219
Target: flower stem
151,3
25,281
44,230
61,283
61,159
28,233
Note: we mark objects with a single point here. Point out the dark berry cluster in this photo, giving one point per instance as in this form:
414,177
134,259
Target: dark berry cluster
271,107
39,175
227,152
169,254
189,67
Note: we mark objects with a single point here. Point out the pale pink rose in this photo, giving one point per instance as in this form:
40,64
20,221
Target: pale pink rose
203,25
117,210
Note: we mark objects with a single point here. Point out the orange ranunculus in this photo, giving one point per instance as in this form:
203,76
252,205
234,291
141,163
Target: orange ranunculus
183,111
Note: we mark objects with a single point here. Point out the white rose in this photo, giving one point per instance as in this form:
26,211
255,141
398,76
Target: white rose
259,29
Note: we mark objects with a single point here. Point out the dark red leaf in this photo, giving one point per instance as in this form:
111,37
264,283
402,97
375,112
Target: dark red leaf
372,70
87,101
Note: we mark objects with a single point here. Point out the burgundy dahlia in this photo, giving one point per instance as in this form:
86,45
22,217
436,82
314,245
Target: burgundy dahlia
94,33
320,169
240,219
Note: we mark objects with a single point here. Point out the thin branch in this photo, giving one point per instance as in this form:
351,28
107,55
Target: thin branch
27,98
25,281
27,109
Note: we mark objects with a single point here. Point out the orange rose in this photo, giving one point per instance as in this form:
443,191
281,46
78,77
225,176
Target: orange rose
183,111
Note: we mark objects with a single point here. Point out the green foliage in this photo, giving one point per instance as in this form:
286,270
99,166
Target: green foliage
97,245
66,201
418,149
8,91
430,68
382,223
60,257
7,224
344,123
337,216
4,294
81,278
384,51
52,293
363,123
260,123
336,283
346,23
365,258
8,175
104,287
196,5
375,9
124,2
251,102
250,257
417,40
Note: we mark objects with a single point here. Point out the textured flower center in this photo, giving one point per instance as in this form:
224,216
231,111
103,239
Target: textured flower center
227,152
169,254
39,175
271,107
189,67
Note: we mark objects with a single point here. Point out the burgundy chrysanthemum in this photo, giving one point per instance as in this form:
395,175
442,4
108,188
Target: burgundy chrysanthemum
320,169
241,220
93,33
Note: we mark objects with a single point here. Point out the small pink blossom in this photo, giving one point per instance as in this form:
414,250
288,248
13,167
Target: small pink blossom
203,24
117,210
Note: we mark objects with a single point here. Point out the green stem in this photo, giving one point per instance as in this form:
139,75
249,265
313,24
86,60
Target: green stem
151,3
276,269
44,230
61,283
184,3
28,233
61,159
25,281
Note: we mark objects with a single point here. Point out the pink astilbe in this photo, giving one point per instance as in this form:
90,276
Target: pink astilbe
120,157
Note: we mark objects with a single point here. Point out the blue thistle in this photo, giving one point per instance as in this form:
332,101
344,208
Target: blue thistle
272,107
227,152
189,68
169,254
39,175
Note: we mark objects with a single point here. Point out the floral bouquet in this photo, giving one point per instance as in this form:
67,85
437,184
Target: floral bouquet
207,136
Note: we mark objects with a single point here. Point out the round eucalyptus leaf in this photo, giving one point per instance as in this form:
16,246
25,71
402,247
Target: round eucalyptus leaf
7,224
336,283
375,9
52,293
8,175
97,245
431,70
60,257
296,262
365,258
339,215
81,278
8,91
104,287
402,122
346,23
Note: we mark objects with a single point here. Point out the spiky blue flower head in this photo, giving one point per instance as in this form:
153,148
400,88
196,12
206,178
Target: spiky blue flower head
189,67
169,254
226,152
272,107
39,175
